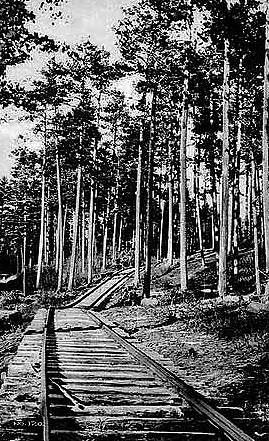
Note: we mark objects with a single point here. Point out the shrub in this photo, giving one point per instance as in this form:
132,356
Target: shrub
10,299
227,320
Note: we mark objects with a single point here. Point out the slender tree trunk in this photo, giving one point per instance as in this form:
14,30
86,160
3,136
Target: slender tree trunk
120,235
148,232
230,219
260,210
49,222
94,245
24,256
198,207
138,206
116,205
133,240
215,218
255,228
224,202
106,231
83,235
143,235
76,221
18,260
159,210
247,208
114,240
170,203
91,237
59,257
215,223
46,233
183,189
161,229
236,208
64,227
90,234
250,204
265,144
56,243
42,229
42,237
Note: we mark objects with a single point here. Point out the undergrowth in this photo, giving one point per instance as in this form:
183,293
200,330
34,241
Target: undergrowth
224,320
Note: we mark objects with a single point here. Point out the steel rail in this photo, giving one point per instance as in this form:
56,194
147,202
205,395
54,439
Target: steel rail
91,291
104,295
44,390
194,398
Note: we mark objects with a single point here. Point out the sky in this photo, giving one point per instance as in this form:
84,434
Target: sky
81,18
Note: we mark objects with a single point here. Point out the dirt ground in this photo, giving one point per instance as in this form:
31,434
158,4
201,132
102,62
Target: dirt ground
220,348
204,360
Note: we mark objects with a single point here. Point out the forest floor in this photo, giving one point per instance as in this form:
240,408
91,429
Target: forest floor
219,347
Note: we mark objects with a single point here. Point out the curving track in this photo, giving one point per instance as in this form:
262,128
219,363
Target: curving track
97,385
94,297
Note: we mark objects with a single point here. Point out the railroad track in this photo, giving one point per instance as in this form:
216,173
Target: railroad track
95,296
97,385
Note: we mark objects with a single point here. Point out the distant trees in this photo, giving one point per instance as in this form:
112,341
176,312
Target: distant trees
178,169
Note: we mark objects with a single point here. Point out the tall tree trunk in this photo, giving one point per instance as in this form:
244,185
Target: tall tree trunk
115,225
246,200
42,237
90,233
183,189
46,232
56,244
91,237
230,219
224,202
236,207
42,223
148,232
250,204
106,231
197,205
255,227
265,144
59,263
138,205
215,220
120,235
24,255
170,202
116,203
64,227
260,208
161,229
49,229
94,246
158,228
76,221
83,235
